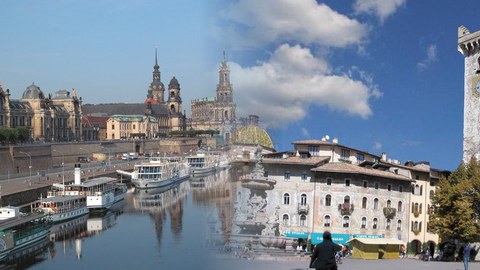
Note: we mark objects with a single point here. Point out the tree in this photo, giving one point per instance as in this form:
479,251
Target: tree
457,204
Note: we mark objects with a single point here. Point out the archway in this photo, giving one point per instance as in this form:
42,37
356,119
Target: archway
415,247
431,248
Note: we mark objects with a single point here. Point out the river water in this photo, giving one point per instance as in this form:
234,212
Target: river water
153,229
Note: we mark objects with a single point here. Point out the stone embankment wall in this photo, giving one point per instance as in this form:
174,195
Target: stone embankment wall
15,160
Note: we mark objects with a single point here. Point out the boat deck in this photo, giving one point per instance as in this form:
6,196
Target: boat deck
15,221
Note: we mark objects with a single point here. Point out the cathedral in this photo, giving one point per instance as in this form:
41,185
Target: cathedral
47,118
216,113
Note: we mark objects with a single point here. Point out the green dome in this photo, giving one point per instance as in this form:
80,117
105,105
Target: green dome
253,135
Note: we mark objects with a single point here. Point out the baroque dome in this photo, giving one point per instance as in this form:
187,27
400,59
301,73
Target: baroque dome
253,135
174,83
33,92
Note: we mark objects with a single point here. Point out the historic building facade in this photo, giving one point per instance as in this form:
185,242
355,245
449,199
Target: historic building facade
468,46
216,113
131,126
323,185
48,118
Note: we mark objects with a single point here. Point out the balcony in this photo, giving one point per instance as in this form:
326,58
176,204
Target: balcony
345,209
303,209
389,212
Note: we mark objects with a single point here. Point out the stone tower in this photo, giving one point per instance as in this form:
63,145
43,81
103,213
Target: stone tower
469,46
174,100
156,89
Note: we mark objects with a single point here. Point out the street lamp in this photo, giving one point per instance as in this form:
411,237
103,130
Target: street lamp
63,169
29,167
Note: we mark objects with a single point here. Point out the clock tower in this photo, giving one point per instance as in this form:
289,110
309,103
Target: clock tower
469,46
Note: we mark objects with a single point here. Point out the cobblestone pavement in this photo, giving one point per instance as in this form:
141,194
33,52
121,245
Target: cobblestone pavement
356,264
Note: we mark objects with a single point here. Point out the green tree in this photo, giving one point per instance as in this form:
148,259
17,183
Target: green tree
457,204
23,134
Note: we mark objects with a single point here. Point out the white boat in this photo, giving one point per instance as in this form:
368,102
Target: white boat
201,164
21,230
101,192
61,208
158,173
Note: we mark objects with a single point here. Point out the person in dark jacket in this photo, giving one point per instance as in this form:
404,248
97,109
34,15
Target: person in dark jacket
324,253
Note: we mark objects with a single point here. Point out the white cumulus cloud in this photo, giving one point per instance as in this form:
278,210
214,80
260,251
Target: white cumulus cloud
429,59
377,146
255,23
380,8
282,89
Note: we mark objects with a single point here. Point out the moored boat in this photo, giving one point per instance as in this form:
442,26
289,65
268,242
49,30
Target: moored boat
159,173
21,230
201,164
61,208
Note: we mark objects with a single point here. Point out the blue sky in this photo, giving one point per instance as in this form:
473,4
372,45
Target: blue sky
381,76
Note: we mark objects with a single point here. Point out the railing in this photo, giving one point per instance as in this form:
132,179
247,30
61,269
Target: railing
345,209
303,208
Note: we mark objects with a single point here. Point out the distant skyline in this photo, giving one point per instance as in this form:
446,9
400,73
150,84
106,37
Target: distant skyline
381,76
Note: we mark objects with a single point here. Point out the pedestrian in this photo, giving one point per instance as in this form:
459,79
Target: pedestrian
466,255
323,257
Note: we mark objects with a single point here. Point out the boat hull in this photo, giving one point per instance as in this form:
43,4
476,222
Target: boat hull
202,171
74,213
156,183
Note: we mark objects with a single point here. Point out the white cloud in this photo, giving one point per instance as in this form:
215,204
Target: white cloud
380,8
430,58
377,146
282,89
305,132
255,23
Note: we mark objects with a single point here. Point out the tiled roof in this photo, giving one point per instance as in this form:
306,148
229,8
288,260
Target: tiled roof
312,161
340,167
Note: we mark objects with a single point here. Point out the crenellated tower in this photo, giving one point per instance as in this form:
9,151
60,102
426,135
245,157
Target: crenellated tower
469,46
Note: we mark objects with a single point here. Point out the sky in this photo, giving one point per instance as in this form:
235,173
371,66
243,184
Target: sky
379,75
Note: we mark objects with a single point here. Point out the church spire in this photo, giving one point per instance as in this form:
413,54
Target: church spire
156,63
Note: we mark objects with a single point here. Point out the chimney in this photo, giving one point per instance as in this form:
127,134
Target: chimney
77,174
384,157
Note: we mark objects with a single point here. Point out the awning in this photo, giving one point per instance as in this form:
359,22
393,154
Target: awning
303,235
378,241
339,238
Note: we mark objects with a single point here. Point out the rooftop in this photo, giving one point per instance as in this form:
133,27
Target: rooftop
340,167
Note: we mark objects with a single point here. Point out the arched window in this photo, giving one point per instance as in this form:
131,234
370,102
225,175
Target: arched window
172,93
303,220
346,222
375,204
326,222
364,222
432,193
328,200
346,199
286,220
399,225
389,203
303,199
172,108
364,202
399,208
389,222
420,208
375,223
286,198
415,208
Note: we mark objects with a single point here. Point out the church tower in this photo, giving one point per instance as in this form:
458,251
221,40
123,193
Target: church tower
156,89
224,88
174,106
469,46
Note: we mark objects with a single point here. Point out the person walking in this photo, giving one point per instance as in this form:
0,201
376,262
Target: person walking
323,257
466,255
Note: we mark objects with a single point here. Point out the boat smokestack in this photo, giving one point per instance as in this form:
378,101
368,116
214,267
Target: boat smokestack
78,174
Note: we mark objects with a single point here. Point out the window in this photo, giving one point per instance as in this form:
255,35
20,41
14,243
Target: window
328,200
133,126
360,157
432,193
329,181
364,222
345,154
347,182
365,183
285,220
376,185
346,199
303,220
364,202
375,204
286,198
388,224
399,208
400,188
389,203
113,126
287,175
303,199
399,225
327,221
314,150
375,223
346,222
113,136
304,176
389,187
